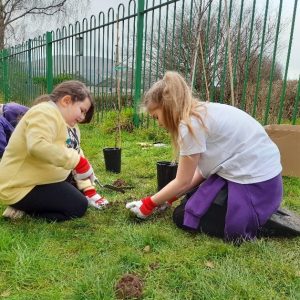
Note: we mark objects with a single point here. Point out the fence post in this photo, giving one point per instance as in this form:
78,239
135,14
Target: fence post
29,69
287,66
5,75
49,73
139,58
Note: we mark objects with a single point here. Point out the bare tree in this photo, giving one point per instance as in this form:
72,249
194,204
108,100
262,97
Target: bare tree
182,39
15,13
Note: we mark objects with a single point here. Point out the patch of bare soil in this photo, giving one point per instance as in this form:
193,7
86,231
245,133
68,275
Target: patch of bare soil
129,286
119,183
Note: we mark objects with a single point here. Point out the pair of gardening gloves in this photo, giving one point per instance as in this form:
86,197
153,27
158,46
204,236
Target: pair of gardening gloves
145,207
142,208
84,171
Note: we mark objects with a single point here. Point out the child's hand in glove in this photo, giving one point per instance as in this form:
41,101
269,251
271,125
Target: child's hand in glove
94,199
142,208
84,170
167,204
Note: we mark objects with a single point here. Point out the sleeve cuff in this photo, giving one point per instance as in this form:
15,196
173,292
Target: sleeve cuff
191,220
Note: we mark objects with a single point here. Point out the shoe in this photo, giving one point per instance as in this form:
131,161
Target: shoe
97,201
13,213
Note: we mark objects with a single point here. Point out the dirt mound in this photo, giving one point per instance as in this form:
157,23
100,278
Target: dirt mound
119,183
129,286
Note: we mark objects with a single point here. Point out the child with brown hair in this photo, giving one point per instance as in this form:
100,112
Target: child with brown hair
43,151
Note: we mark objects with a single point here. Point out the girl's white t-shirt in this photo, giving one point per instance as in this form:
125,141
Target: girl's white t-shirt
233,145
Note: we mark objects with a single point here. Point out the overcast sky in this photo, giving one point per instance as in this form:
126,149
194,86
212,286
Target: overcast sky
287,12
98,5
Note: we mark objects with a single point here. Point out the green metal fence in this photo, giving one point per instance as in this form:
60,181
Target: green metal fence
133,46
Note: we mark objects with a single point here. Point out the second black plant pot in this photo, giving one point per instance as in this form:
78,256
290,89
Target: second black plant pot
166,172
112,159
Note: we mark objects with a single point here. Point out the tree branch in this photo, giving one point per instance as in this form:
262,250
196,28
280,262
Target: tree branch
35,10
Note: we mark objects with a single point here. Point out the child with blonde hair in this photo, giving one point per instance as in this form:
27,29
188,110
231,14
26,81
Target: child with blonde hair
222,148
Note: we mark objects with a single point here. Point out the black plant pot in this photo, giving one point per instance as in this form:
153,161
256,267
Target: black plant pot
166,172
112,159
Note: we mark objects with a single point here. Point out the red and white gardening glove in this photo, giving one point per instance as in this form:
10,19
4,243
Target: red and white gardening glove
94,199
167,204
142,208
84,170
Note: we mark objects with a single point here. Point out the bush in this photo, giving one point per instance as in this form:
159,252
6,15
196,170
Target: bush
108,102
154,134
109,120
261,105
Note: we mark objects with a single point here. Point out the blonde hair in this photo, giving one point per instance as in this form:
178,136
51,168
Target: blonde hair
174,97
74,88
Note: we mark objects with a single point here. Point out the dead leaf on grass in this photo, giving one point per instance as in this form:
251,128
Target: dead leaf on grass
5,294
209,264
147,249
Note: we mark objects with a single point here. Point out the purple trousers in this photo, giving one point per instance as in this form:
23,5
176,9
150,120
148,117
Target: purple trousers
249,206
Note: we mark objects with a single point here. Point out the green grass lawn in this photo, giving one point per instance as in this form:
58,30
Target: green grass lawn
84,258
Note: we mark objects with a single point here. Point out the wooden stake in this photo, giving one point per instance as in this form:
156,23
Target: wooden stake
229,54
117,67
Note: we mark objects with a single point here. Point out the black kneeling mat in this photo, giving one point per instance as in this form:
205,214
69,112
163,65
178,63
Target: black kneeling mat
283,223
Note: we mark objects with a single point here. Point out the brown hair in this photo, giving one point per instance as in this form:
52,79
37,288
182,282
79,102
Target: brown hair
173,95
76,90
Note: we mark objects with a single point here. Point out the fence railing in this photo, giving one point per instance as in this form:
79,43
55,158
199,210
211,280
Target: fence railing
190,36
